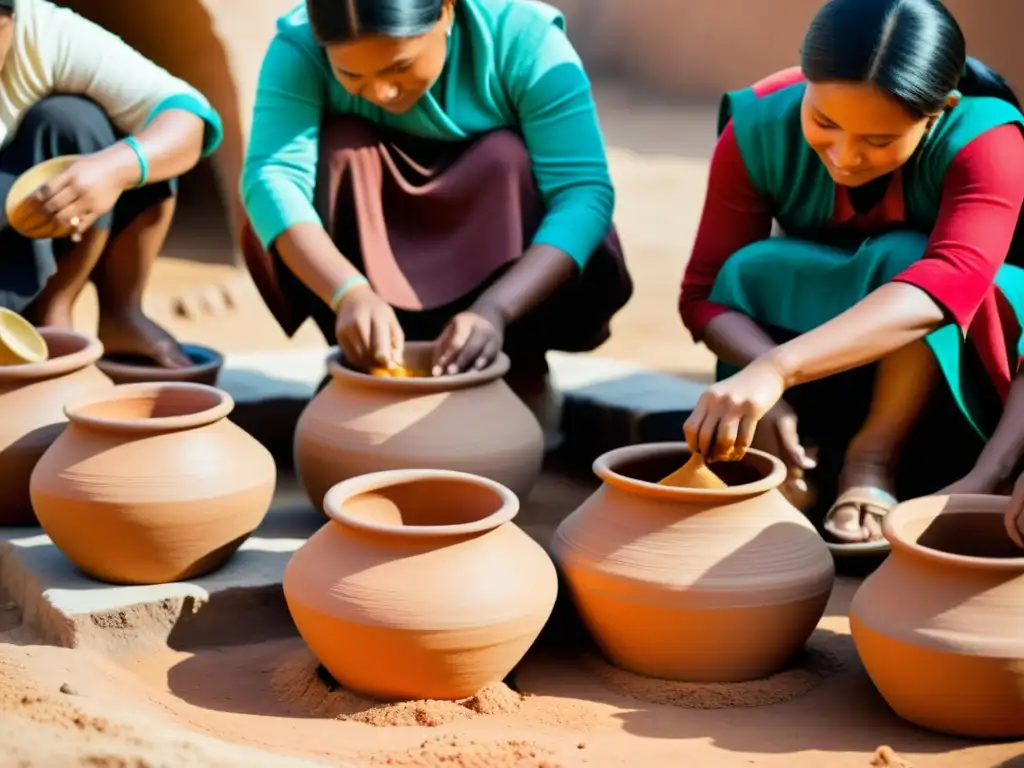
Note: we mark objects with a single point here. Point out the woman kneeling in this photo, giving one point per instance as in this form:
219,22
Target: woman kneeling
432,170
896,179
69,87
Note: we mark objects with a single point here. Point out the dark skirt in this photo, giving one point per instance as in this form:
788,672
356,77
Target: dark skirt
432,224
56,126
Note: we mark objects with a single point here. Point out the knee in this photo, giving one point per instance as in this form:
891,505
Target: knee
76,122
505,154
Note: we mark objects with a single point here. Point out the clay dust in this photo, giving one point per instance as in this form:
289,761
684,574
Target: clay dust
455,752
305,687
815,663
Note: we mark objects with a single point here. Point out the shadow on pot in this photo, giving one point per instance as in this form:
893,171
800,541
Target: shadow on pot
138,369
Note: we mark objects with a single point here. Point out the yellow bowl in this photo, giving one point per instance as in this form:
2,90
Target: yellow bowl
20,342
21,206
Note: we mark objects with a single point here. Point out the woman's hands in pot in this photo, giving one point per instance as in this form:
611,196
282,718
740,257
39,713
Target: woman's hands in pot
722,426
367,330
471,341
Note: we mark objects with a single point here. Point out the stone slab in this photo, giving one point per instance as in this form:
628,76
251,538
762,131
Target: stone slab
607,403
67,608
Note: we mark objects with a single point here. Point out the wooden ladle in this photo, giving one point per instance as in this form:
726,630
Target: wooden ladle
694,474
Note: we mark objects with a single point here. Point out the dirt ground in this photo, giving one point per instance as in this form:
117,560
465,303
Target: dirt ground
217,705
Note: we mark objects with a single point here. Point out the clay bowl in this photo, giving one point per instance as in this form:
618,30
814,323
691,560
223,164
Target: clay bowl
938,625
140,370
21,207
20,342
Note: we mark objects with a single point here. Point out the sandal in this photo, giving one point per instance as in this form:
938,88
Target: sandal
871,501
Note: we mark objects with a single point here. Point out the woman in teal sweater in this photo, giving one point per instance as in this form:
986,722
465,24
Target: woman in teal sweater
426,169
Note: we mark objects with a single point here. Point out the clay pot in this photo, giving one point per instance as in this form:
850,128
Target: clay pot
708,585
23,211
151,483
420,587
206,365
470,422
939,624
32,399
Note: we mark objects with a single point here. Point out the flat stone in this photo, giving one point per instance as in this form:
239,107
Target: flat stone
607,403
67,608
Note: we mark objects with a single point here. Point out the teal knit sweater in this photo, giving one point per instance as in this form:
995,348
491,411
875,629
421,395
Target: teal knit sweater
509,65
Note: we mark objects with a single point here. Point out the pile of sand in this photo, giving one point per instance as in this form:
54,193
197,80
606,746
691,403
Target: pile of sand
307,689
463,753
816,663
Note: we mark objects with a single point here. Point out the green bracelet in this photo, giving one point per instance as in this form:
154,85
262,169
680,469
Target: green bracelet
339,294
132,142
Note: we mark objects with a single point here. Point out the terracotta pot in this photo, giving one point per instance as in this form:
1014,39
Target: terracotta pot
940,624
709,585
470,422
420,587
151,483
32,399
205,368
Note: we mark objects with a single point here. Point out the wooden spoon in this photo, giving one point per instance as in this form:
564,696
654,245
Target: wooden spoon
694,474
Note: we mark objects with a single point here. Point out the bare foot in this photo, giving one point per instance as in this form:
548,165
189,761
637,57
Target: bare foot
53,316
135,334
866,489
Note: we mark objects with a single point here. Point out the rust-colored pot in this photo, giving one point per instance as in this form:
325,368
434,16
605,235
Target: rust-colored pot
420,586
940,624
470,422
708,585
151,483
32,400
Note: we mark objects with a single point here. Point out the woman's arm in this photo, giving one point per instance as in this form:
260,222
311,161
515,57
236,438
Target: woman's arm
173,123
552,97
1002,453
982,195
734,216
279,173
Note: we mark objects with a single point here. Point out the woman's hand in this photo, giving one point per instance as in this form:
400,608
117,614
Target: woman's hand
722,425
778,435
472,339
367,330
85,191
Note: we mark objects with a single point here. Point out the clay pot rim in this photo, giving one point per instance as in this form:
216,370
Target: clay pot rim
421,385
223,406
90,352
373,481
604,467
931,507
212,360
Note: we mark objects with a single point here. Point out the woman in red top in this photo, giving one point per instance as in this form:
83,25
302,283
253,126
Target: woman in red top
871,103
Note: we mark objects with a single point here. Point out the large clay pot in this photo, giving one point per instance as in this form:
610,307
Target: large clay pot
471,422
709,585
32,399
940,624
420,586
151,483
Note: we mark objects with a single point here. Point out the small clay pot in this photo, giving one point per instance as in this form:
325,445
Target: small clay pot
135,369
470,422
22,207
940,624
20,342
32,399
704,585
420,586
151,483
